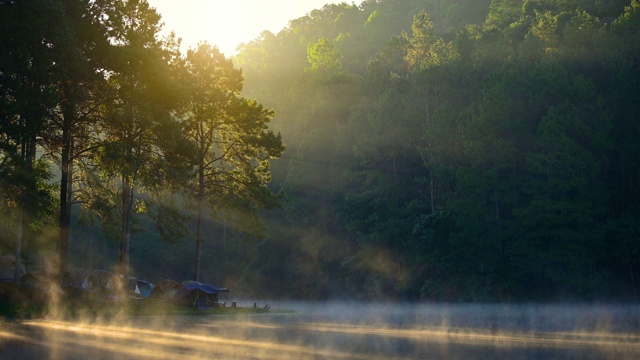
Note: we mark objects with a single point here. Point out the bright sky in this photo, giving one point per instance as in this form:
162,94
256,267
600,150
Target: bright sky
228,23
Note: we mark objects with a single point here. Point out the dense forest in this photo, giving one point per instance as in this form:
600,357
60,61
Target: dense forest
146,139
458,150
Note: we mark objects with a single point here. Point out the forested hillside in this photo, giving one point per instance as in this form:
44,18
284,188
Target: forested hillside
454,150
438,150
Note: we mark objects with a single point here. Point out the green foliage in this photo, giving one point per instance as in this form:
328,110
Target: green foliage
231,142
322,57
444,150
91,86
502,13
475,163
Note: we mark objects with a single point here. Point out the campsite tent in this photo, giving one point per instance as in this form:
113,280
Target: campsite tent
198,295
40,286
107,281
42,280
143,288
95,280
78,279
8,268
164,289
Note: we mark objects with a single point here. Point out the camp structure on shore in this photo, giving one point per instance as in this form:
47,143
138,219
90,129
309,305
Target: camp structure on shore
198,295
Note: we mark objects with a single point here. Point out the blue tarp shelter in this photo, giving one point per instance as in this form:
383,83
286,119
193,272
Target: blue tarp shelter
198,295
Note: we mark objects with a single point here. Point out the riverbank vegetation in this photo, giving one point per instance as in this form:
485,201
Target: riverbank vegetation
24,303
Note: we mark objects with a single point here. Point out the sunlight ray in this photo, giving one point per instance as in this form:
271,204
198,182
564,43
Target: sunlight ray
118,340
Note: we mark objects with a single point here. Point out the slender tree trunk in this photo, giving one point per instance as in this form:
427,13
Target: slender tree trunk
125,234
70,178
65,175
432,193
199,223
432,189
633,282
17,274
20,219
22,241
26,216
224,237
25,189
501,243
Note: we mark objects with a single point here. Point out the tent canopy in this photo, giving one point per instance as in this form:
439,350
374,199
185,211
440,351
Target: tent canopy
199,295
206,288
8,265
164,289
94,280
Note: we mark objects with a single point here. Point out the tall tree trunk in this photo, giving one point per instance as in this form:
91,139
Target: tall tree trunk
18,256
22,239
70,181
633,282
25,190
65,175
432,189
199,223
21,204
26,215
125,234
432,192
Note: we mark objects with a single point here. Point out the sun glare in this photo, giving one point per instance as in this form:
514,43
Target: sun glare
227,24
221,23
224,24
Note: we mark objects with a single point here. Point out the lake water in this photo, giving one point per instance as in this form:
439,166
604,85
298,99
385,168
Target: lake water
344,331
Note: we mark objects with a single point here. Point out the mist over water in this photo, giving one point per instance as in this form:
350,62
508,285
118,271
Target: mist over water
343,330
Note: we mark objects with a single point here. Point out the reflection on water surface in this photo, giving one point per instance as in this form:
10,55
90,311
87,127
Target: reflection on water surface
343,331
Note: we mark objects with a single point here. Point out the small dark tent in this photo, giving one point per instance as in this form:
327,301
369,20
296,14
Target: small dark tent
79,279
8,265
144,288
164,289
107,281
198,295
93,280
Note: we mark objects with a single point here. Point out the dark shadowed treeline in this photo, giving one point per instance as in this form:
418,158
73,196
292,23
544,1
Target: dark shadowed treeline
454,150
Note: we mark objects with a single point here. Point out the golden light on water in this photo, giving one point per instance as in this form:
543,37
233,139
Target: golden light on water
487,338
4,335
146,343
238,338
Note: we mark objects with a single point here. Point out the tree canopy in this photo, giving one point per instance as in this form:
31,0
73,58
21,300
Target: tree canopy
457,150
94,91
464,150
